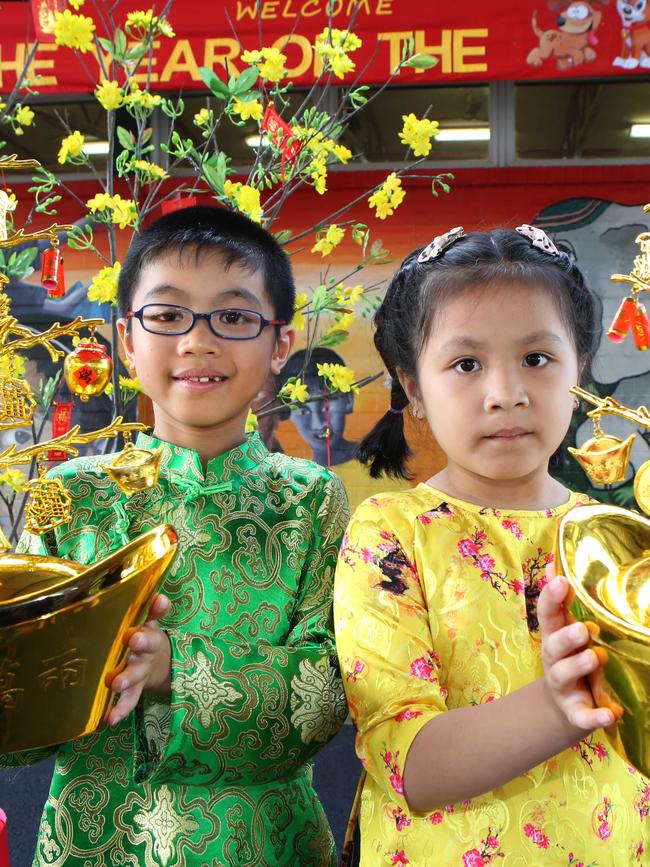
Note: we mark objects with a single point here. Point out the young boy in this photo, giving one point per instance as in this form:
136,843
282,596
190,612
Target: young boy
240,686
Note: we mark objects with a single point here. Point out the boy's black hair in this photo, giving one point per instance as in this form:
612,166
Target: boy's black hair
203,228
404,319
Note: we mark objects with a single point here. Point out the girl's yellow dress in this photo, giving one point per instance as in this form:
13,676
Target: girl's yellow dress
435,608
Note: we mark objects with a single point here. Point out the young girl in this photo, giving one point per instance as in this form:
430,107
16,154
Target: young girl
478,734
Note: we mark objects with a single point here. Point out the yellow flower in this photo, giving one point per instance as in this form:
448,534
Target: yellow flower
417,134
141,98
332,238
342,153
99,202
76,4
12,366
150,172
295,391
203,118
318,174
13,479
103,287
341,64
333,46
251,422
108,389
130,383
124,212
246,199
71,146
24,115
339,377
387,198
73,31
250,108
273,68
343,323
298,320
144,23
109,94
349,295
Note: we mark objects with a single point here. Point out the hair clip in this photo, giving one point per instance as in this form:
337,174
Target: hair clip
440,243
539,239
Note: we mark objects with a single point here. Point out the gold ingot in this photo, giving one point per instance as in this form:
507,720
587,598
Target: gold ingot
604,458
604,553
135,469
642,487
62,631
88,369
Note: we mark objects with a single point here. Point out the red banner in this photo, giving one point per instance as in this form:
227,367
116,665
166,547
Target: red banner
473,41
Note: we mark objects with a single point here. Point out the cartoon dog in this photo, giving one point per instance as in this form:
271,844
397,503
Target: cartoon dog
573,42
635,18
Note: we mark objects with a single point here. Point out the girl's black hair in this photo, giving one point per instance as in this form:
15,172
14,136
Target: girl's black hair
203,228
417,290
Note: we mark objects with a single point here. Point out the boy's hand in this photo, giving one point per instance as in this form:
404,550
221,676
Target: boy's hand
568,661
148,665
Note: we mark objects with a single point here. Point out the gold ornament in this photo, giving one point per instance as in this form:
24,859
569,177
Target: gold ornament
49,505
17,403
62,631
135,469
604,458
604,553
642,487
5,544
88,369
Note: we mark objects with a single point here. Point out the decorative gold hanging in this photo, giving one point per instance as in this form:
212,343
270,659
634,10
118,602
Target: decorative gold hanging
135,469
17,403
49,505
604,457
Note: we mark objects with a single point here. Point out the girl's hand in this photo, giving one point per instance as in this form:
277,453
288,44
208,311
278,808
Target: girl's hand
568,661
148,665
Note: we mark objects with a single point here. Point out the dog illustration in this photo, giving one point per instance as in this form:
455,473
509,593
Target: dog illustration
573,42
635,18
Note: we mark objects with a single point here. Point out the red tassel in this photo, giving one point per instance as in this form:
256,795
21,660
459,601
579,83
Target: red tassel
61,421
622,322
281,135
641,327
52,275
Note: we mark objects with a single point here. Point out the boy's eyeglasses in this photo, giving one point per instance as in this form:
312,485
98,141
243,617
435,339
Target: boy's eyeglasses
230,323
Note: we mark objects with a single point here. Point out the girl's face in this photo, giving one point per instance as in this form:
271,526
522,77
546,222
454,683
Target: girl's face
207,416
493,380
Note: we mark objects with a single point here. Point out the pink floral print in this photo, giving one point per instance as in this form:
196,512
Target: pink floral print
398,857
407,715
604,819
401,819
537,835
590,749
490,849
395,772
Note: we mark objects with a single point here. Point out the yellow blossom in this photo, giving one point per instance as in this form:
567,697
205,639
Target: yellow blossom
71,146
150,172
251,422
14,479
318,174
124,212
24,115
298,320
273,68
108,389
326,243
249,108
99,202
73,31
246,199
109,95
141,98
333,46
141,24
343,323
295,391
76,4
12,366
252,57
130,383
342,153
103,287
349,294
417,134
341,64
203,118
387,198
339,377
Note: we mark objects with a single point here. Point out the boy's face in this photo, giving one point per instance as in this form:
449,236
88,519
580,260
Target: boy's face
188,412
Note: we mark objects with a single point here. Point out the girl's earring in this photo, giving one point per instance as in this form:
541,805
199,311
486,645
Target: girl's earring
576,403
415,412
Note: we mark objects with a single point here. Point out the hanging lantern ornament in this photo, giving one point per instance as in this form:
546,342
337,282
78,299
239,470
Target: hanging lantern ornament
88,368
49,504
135,469
604,457
52,274
640,327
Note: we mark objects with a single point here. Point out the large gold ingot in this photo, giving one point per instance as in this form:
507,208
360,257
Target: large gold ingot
604,458
605,555
62,629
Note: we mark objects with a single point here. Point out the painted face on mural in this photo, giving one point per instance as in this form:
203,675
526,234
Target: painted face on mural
312,420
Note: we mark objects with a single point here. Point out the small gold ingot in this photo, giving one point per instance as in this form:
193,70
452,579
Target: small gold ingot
135,469
604,553
62,631
642,487
604,458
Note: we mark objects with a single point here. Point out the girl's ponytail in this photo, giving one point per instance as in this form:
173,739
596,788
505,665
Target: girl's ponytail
384,449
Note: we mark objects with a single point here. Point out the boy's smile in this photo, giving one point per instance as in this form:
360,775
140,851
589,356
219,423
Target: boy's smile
202,385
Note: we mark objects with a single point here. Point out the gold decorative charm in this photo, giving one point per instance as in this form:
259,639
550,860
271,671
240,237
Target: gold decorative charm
604,458
642,487
135,469
88,369
17,403
49,506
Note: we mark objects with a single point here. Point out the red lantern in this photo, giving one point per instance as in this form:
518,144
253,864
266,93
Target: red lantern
52,275
641,327
622,322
